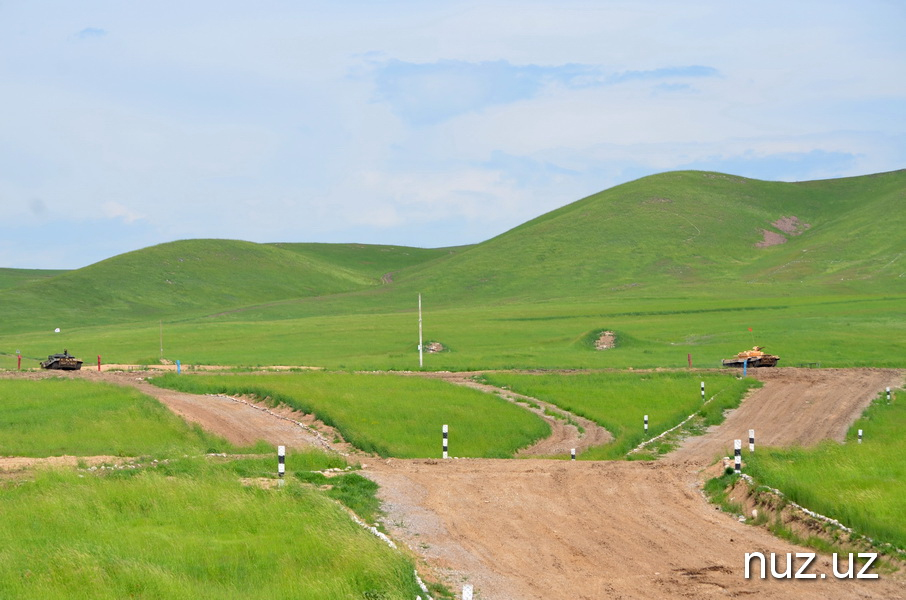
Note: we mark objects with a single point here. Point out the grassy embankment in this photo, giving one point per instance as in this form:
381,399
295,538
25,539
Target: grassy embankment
196,534
619,401
178,528
861,485
389,415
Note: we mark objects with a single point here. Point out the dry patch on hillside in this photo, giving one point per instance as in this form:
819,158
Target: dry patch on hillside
606,340
789,225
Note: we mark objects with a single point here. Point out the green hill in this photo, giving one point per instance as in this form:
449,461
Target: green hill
693,233
673,262
178,278
376,262
11,278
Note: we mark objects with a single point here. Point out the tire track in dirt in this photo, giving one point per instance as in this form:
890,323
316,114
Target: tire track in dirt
795,407
565,435
534,529
242,422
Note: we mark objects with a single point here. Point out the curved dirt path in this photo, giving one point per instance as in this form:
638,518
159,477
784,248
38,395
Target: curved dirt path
564,437
532,529
239,421
796,407
551,530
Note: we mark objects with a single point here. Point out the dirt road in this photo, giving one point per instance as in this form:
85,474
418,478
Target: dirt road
565,433
531,529
239,420
540,529
795,407
534,529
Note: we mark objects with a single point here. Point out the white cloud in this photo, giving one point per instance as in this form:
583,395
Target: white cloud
336,122
115,210
91,33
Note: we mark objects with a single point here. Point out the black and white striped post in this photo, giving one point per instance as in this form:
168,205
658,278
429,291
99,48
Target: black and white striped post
888,394
703,391
751,440
572,454
737,451
445,440
860,436
646,424
281,462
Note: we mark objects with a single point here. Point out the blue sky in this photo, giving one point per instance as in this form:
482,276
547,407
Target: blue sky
128,124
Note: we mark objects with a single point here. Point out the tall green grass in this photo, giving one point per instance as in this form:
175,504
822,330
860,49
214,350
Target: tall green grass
178,535
619,401
861,485
59,416
389,415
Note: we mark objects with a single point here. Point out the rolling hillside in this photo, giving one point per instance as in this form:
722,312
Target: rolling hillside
10,278
694,233
372,261
193,277
674,235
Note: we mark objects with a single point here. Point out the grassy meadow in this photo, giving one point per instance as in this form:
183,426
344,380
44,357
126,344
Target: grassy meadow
619,401
835,332
54,417
173,526
196,533
861,485
390,415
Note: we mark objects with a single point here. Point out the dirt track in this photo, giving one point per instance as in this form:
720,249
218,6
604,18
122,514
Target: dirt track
795,407
551,529
564,435
533,529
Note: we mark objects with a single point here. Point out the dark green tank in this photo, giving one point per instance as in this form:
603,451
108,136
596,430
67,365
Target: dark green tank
65,362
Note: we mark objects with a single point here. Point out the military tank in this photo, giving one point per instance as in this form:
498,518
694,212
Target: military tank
64,362
753,358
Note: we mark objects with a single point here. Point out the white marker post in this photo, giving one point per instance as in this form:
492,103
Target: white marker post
737,451
860,436
467,591
446,430
888,394
646,424
281,460
703,391
752,440
573,454
421,360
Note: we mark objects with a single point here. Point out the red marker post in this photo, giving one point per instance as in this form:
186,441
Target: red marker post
99,363
19,365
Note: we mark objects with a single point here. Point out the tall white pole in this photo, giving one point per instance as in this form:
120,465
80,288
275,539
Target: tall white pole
421,361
